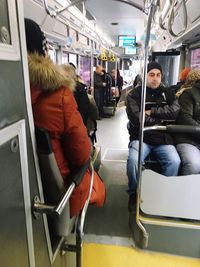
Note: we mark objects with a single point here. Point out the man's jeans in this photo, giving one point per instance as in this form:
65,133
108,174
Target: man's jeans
166,155
190,158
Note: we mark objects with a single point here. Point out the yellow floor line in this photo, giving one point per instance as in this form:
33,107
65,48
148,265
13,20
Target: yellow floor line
98,255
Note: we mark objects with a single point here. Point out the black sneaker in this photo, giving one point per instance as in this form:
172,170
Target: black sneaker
132,204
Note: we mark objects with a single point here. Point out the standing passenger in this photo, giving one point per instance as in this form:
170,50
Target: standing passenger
99,86
120,83
188,145
165,107
55,109
106,78
117,81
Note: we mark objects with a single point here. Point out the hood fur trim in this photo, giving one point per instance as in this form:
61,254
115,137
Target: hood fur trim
45,75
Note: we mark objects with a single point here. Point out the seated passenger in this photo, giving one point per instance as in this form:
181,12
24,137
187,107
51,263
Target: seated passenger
162,106
55,109
182,78
86,103
188,145
191,78
137,81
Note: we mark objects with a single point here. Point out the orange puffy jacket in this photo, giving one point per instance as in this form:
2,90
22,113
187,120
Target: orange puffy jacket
55,109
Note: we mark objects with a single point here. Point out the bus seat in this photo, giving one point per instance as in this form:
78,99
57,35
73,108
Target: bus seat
176,197
53,185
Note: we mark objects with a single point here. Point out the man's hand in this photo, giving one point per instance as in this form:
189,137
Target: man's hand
148,112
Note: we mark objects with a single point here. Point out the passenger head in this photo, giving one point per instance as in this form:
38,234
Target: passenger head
35,38
154,75
184,74
69,70
43,73
192,77
137,81
99,69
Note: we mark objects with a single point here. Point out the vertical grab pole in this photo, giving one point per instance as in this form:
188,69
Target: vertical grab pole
92,69
142,119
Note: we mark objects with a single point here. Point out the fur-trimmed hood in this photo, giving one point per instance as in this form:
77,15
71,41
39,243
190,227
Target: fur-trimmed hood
45,75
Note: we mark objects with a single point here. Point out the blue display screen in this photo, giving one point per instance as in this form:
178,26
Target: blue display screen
130,51
127,41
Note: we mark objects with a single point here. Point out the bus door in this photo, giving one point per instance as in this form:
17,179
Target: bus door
17,167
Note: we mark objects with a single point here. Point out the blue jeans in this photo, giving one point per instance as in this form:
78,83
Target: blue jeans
166,155
190,158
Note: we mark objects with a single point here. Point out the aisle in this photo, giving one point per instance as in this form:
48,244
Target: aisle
109,223
107,239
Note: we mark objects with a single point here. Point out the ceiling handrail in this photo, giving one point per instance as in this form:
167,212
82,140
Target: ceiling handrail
55,12
50,12
161,19
170,13
172,17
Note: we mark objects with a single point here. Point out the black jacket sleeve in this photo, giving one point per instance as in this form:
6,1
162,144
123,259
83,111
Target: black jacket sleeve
133,109
169,111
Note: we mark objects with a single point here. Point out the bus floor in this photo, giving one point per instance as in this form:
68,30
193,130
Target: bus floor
107,236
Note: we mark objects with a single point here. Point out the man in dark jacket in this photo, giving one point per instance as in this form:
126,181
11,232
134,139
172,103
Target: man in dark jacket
161,107
99,86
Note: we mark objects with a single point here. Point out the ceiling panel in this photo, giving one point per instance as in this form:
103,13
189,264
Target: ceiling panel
130,20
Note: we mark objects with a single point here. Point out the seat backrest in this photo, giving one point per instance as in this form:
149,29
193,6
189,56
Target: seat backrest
175,196
52,182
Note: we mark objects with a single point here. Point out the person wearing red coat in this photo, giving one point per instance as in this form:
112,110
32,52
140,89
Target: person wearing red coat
55,109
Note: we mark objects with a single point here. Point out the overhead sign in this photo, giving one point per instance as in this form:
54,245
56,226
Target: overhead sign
127,40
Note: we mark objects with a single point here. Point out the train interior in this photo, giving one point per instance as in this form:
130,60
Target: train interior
165,231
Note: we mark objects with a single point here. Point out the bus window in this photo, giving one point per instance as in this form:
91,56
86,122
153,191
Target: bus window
64,57
73,59
195,59
85,69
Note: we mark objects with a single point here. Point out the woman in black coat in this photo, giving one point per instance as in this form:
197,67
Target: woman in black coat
188,145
